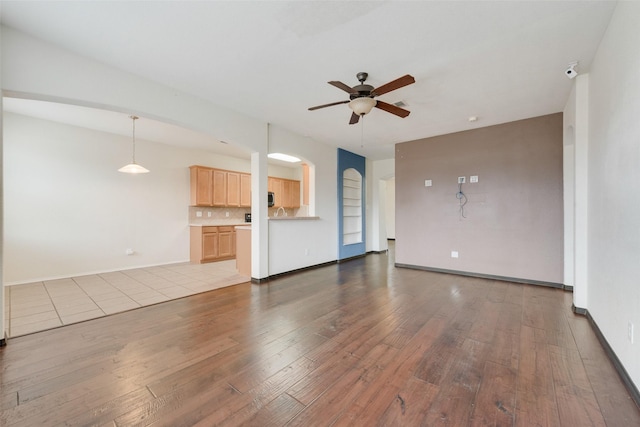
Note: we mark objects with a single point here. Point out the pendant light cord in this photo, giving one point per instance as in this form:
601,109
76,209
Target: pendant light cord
362,131
134,118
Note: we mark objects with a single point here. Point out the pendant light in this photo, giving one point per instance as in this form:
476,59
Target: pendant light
133,167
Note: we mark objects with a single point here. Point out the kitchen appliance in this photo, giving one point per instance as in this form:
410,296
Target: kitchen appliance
271,199
247,217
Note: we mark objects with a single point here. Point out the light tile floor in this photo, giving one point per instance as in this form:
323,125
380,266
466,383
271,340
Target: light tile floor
44,305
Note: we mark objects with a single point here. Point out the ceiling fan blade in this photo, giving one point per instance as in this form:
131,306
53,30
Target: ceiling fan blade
354,119
328,105
390,108
342,86
396,84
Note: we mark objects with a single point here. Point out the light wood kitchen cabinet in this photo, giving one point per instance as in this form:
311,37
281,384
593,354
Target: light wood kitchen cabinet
286,192
212,243
201,186
226,242
245,190
292,194
276,186
233,189
219,187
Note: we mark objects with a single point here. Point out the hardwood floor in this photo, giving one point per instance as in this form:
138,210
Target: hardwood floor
358,343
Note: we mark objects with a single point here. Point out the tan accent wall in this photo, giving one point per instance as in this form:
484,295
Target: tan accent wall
514,221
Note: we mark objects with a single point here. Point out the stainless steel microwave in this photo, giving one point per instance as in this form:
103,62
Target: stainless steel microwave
271,200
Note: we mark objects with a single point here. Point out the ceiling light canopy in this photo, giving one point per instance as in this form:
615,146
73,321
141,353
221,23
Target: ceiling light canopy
133,167
362,105
283,157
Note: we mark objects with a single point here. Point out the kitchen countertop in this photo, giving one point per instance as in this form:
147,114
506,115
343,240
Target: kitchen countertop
218,224
271,218
281,218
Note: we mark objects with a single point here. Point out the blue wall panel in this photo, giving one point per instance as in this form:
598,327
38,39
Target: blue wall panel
347,160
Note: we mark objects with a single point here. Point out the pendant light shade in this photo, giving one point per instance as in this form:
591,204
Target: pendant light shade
362,105
133,167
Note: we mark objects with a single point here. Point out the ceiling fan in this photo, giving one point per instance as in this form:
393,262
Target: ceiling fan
361,97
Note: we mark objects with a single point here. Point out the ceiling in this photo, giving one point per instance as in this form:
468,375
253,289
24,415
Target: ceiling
498,60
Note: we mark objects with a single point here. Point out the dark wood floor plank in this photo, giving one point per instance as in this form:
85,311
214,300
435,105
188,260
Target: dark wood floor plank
370,405
411,404
618,409
336,399
484,328
357,343
505,347
263,369
238,411
576,400
178,408
275,413
454,403
318,381
8,400
495,402
536,399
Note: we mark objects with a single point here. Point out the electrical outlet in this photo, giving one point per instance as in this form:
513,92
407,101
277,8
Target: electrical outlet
462,179
473,179
129,251
630,332
306,251
226,214
209,214
199,214
428,183
454,254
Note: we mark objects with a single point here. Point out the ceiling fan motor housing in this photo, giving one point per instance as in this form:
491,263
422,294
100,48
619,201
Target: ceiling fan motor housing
361,91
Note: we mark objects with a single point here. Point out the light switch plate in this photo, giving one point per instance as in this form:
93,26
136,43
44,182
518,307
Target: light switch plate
428,183
473,179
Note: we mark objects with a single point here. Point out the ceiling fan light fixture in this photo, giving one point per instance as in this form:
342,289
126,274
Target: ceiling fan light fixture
133,167
362,105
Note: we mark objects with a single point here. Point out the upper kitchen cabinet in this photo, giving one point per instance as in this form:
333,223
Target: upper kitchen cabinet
275,186
201,186
233,189
286,192
292,193
245,190
238,189
217,187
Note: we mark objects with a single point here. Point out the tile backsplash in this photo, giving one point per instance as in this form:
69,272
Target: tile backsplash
236,215
217,216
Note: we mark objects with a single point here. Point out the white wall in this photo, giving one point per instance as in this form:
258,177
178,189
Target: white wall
576,190
390,208
4,315
614,185
69,212
35,69
377,172
295,244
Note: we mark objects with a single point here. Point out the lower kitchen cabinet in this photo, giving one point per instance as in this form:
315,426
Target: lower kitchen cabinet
226,242
212,243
